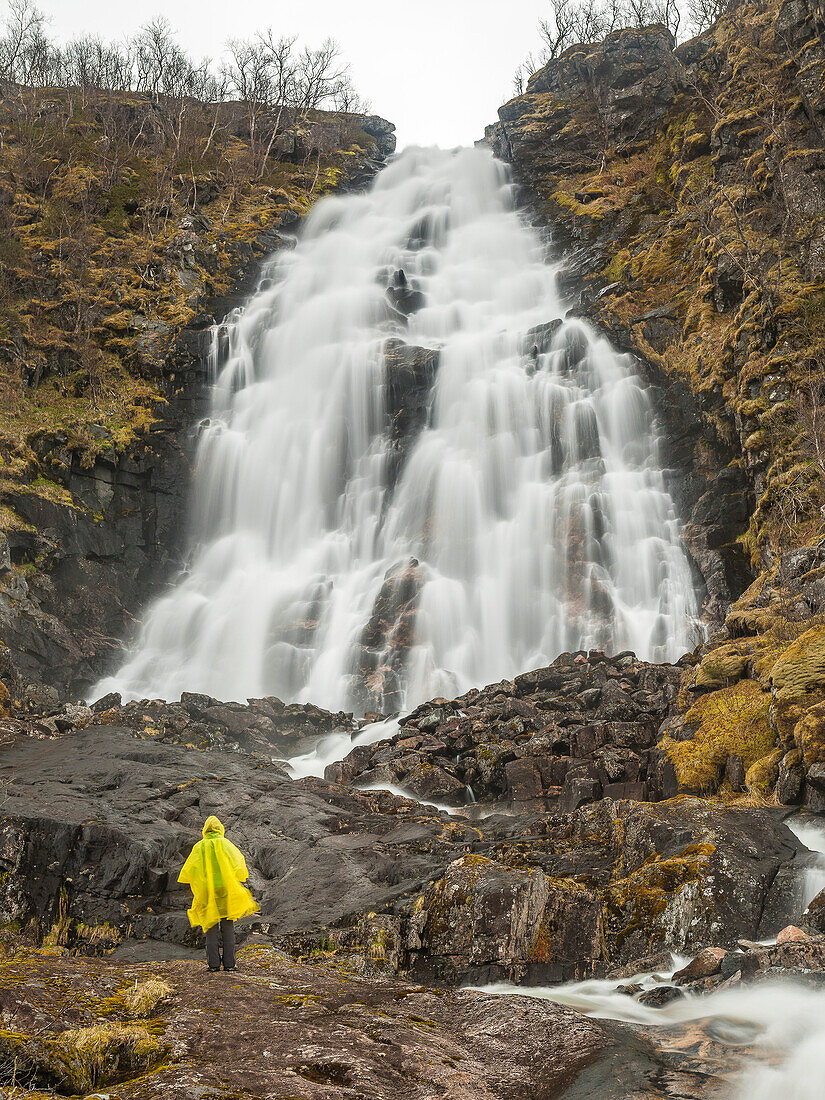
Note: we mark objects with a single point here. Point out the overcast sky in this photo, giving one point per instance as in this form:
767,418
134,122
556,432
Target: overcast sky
438,69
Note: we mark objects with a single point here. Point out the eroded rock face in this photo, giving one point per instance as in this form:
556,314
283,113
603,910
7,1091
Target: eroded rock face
410,374
383,647
556,738
68,594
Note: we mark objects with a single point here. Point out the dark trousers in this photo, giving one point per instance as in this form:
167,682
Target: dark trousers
213,955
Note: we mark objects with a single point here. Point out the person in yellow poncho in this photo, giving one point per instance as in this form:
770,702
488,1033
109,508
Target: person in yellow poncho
215,870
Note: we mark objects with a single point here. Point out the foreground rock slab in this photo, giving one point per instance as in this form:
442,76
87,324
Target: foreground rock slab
278,1029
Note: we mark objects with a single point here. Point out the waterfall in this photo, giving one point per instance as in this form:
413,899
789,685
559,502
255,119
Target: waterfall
342,559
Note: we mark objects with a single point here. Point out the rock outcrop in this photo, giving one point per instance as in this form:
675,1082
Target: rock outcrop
98,816
584,728
750,715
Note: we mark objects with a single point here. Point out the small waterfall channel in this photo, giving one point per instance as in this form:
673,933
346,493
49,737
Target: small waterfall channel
416,477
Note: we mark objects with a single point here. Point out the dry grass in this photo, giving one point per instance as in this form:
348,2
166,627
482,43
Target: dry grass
107,1051
142,1001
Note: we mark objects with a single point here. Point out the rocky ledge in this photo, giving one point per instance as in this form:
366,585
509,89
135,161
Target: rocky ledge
584,728
98,815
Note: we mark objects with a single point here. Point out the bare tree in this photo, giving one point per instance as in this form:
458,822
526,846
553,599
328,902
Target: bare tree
26,55
347,100
530,65
584,22
249,74
575,21
320,73
702,14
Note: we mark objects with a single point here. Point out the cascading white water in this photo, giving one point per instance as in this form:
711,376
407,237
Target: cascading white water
533,499
810,832
778,1028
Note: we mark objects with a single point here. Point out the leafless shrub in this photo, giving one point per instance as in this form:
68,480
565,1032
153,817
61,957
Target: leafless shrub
702,14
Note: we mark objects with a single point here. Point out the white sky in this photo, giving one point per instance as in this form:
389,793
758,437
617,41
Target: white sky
438,69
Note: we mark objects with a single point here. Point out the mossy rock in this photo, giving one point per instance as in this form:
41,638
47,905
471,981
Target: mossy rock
761,777
6,708
731,722
637,908
801,668
722,667
809,735
798,681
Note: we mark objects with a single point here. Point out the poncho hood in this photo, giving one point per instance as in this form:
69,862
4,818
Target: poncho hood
212,825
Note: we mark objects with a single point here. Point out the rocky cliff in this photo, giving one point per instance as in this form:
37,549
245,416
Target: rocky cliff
580,820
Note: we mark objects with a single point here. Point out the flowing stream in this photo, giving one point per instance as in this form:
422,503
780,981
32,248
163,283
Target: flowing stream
809,831
778,1026
527,517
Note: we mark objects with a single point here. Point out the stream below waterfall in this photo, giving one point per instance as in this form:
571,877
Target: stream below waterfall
338,562
770,1036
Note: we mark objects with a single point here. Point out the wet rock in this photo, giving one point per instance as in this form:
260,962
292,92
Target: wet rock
659,961
267,725
735,772
703,965
556,738
405,297
660,995
789,782
97,819
73,714
97,822
791,934
813,919
744,965
385,641
481,915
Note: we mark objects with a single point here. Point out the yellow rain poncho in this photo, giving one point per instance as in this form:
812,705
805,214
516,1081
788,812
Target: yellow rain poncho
215,870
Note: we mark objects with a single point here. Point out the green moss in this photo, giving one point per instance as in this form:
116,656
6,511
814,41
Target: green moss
639,903
97,317
733,721
762,775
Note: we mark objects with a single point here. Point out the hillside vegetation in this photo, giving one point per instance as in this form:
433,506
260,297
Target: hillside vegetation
136,186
